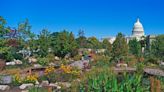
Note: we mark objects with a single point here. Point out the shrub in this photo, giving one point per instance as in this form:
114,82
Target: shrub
104,81
37,89
43,61
16,79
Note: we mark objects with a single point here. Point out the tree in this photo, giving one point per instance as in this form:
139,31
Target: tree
44,42
157,47
93,43
120,47
63,43
135,47
81,40
107,45
2,27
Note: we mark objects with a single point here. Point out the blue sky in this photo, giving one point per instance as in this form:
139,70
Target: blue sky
100,18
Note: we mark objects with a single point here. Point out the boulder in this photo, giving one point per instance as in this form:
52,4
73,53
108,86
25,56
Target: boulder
57,58
17,62
24,86
80,64
10,63
37,83
32,60
44,83
37,65
162,63
4,87
65,84
14,62
25,91
6,79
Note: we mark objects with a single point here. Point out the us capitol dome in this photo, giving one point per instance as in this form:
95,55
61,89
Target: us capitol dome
138,30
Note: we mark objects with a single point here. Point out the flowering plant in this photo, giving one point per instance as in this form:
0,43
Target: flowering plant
17,79
31,78
49,70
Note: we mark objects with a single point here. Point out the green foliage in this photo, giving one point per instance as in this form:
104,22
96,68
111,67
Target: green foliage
157,47
43,61
64,43
37,89
81,40
120,47
135,47
93,43
108,46
107,82
2,26
44,42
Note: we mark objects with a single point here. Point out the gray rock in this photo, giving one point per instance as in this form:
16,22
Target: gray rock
24,86
24,91
44,83
79,64
65,84
5,79
4,87
37,65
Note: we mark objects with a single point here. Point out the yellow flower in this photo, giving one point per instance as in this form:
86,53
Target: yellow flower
49,70
31,78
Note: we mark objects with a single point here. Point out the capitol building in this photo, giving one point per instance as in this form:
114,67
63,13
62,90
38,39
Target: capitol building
137,32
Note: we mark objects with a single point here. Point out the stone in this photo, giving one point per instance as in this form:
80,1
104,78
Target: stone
44,83
5,79
24,86
37,83
57,58
65,84
10,63
4,87
162,63
17,62
81,64
37,65
32,60
25,91
121,65
53,85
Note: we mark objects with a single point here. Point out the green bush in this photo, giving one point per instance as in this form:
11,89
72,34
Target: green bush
43,61
37,89
106,81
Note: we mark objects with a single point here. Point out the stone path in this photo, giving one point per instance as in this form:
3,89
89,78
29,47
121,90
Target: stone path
155,72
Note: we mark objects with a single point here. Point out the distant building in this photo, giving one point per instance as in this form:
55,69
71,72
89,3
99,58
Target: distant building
138,33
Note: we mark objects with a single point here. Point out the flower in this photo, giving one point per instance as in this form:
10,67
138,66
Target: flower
49,70
69,70
17,78
31,78
66,69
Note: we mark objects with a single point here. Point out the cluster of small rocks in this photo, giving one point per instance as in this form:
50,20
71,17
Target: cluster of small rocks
56,87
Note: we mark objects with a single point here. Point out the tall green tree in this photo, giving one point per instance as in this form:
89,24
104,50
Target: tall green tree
120,47
94,43
157,47
135,47
108,46
63,43
44,42
81,40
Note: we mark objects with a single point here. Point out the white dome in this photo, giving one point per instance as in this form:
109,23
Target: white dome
138,29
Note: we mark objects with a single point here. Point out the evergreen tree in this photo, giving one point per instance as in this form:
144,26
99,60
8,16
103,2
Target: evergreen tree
120,47
135,47
108,46
157,47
